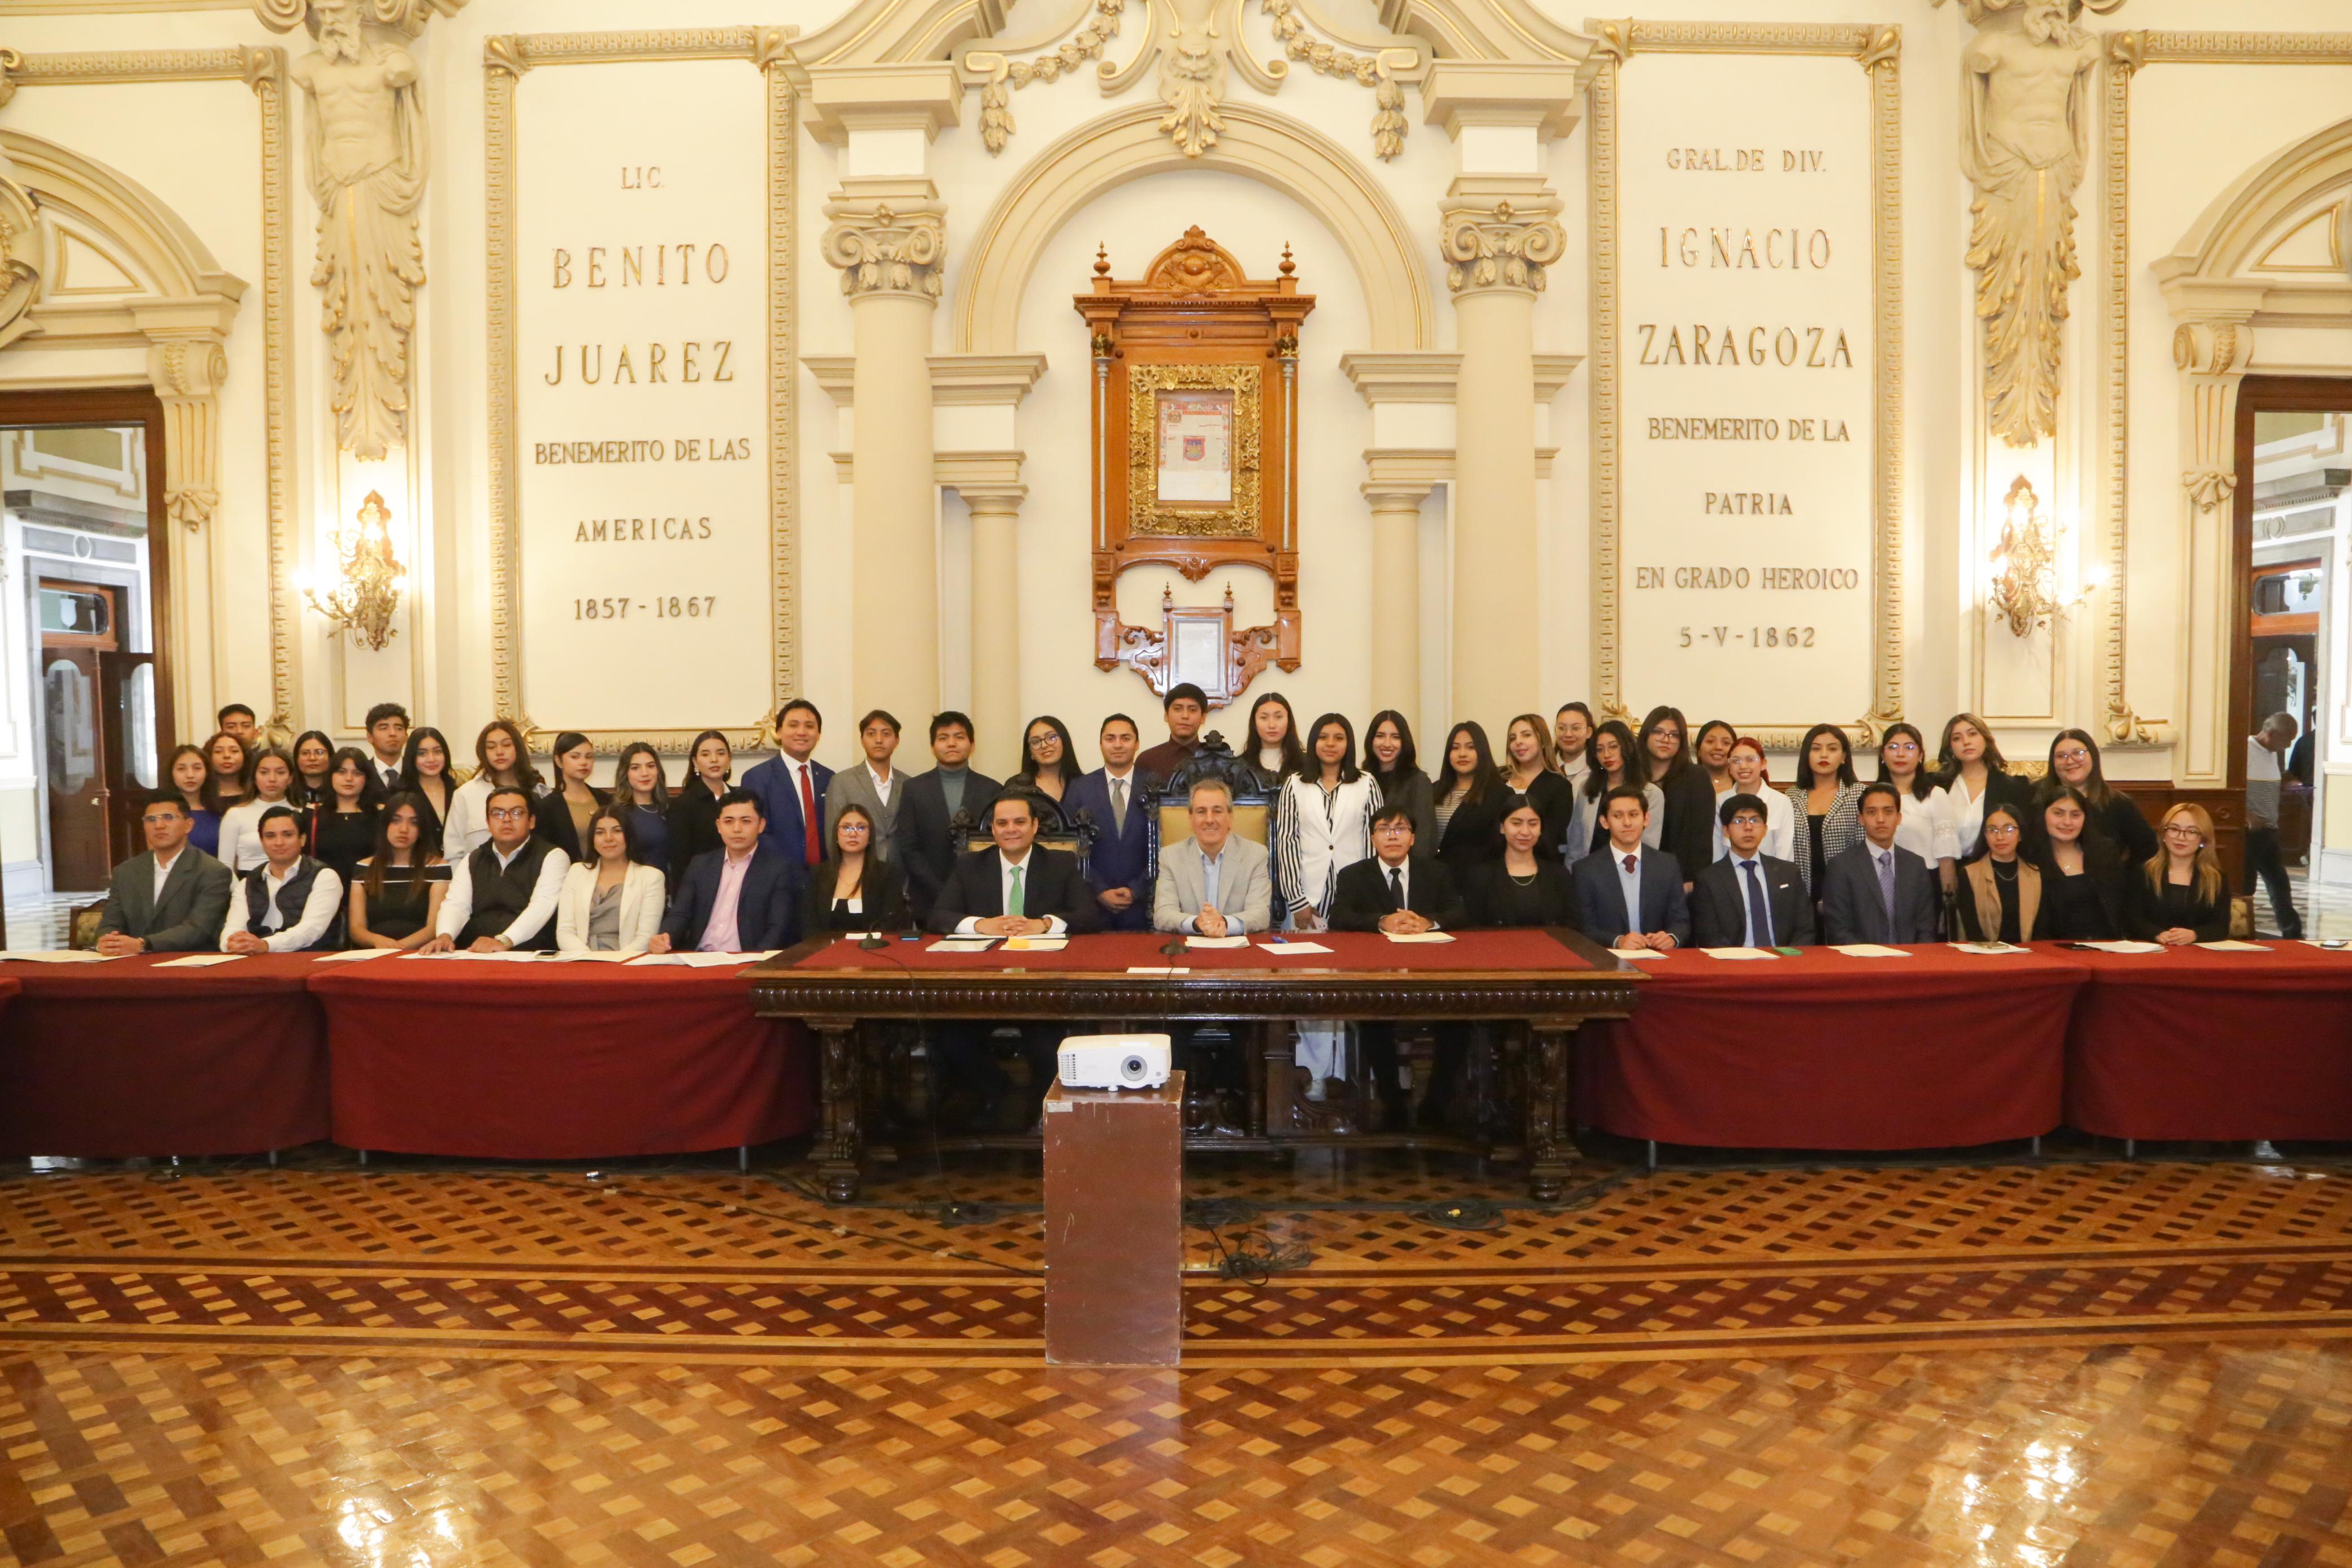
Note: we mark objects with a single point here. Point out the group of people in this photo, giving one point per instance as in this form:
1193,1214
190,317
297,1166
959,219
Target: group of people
1654,836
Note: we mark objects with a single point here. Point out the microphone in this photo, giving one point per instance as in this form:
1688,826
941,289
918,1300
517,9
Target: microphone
872,942
1174,946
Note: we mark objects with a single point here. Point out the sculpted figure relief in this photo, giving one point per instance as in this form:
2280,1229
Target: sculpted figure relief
366,135
1192,77
2024,140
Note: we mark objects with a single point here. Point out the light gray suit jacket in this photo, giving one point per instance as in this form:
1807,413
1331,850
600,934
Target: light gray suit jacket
854,786
186,919
1244,885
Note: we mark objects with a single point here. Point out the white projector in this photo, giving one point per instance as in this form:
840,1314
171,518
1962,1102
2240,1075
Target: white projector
1115,1061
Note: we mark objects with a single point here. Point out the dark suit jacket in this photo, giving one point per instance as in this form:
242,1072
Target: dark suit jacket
1719,914
765,914
1361,900
551,820
1601,904
787,831
1053,886
186,919
1117,859
884,894
1492,898
922,842
1852,911
693,828
1474,834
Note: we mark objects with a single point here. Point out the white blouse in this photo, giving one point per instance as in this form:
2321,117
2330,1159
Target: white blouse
1927,828
1318,834
1963,815
240,836
467,828
1780,824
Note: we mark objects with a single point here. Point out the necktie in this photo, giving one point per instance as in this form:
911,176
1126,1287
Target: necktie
1396,887
1886,887
1760,912
1012,900
1119,806
1631,864
814,841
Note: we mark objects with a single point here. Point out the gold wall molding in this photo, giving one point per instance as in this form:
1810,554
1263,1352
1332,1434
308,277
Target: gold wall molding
2128,54
1147,514
506,58
187,365
1878,50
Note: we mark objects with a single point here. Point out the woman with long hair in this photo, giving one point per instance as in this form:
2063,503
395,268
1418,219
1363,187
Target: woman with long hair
1526,884
1663,748
1049,757
1827,798
1393,764
240,829
1322,822
1274,751
2075,760
610,903
567,810
2081,877
1972,775
1751,775
1712,752
425,774
230,764
1467,798
503,760
340,822
694,814
1999,888
2178,897
1612,753
396,893
1927,828
854,888
1530,772
192,779
314,755
641,784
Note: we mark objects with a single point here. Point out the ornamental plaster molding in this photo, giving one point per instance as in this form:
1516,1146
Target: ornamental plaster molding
1503,247
20,252
364,127
888,242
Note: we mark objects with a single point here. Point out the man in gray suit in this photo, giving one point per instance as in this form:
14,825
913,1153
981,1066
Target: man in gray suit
1213,883
872,783
1877,891
174,898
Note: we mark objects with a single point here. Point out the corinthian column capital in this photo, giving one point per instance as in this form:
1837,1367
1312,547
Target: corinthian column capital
1499,238
889,240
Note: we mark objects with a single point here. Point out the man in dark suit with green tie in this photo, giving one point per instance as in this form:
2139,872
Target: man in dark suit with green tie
172,899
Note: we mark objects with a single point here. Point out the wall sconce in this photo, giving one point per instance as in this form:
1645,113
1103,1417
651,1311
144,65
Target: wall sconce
369,578
2023,587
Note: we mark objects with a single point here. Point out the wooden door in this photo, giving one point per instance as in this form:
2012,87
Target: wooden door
79,629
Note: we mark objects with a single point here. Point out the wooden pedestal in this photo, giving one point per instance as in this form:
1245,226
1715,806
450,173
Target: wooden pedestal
1115,1226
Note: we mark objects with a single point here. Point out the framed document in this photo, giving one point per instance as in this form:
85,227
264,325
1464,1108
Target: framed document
1196,447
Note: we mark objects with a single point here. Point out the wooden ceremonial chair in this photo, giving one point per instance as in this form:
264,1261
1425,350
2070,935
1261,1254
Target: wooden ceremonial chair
82,926
1253,821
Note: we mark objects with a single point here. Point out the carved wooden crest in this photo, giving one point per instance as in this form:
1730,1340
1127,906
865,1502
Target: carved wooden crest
1196,264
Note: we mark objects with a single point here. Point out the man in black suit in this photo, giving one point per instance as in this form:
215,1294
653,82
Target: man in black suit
1877,891
174,898
1016,889
925,840
738,898
1627,895
1748,899
1401,893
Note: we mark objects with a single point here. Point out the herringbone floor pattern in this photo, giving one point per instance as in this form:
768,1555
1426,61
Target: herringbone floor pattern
2094,1363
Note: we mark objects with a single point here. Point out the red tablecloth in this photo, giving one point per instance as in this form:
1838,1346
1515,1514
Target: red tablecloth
122,1058
1115,952
2191,1044
512,1060
1938,1050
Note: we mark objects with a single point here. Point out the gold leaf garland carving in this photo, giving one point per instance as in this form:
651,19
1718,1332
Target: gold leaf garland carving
1146,513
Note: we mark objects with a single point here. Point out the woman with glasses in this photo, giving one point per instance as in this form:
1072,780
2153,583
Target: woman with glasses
1927,828
1049,761
2001,890
2178,897
854,888
314,754
1662,748
2074,762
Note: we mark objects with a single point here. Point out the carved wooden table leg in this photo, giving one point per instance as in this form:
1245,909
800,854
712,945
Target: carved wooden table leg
841,1142
1280,1061
1250,1039
1551,1143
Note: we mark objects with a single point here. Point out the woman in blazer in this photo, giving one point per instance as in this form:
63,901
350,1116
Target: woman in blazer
2082,875
609,904
565,811
2001,890
2074,760
1531,773
694,815
854,888
1526,885
1468,799
1612,754
2180,897
1322,822
1390,763
1826,798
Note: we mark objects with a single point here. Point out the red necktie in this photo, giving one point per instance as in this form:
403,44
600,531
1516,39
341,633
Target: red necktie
1630,862
808,817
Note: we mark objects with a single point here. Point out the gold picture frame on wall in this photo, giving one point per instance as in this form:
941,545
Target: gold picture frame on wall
1166,402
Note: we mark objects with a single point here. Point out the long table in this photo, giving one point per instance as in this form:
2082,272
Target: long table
1549,982
124,1058
1824,1050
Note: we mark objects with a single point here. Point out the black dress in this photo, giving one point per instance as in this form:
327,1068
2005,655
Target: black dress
398,911
1474,834
341,840
1495,897
2086,907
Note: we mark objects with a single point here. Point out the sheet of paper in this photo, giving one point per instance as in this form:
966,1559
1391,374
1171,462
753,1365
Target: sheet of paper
1419,936
1149,969
2233,946
1217,941
1989,949
2125,946
1642,954
584,956
1739,952
961,944
355,955
1285,949
58,956
694,960
200,960
1035,943
1869,950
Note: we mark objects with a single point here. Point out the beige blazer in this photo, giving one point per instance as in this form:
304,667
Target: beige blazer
642,894
1978,889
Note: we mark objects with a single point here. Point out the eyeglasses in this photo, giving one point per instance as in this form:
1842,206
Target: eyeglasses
506,813
1390,829
2076,755
2182,831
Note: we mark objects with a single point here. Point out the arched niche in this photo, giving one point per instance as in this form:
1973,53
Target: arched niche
1279,152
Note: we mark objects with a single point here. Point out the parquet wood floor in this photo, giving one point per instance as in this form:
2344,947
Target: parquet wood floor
2077,1364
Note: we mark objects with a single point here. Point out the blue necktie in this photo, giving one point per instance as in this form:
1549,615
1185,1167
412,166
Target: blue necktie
1760,912
1887,888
